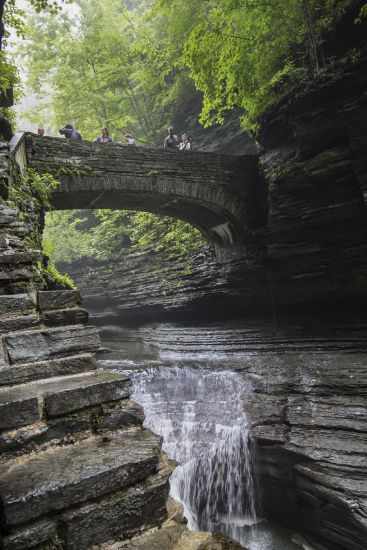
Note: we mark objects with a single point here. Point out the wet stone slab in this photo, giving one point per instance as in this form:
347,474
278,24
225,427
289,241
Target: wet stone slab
120,515
27,403
62,477
23,373
24,347
58,299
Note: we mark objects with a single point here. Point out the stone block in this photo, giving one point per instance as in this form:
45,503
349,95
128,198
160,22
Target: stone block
17,303
17,411
121,515
58,299
124,413
24,347
63,396
20,374
62,317
23,322
62,477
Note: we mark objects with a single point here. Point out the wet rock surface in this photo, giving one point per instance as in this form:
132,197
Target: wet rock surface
76,465
174,535
308,245
301,292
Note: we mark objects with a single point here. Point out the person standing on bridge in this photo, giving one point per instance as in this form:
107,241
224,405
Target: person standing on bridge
171,142
70,133
104,137
186,143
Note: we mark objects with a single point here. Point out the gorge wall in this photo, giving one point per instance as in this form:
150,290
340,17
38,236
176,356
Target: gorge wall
300,292
76,466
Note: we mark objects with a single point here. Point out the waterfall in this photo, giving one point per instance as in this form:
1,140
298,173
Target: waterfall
200,414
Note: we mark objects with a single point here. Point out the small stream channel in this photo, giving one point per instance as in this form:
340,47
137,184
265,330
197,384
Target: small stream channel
199,408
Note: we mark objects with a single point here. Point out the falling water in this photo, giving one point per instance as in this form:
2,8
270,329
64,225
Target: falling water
200,414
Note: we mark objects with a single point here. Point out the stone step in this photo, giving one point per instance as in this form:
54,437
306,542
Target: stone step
58,299
76,426
29,403
11,375
61,477
121,515
62,317
17,304
48,343
21,322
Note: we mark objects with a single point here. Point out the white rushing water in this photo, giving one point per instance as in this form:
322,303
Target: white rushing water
200,414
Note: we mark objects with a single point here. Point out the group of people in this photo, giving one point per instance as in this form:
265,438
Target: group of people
171,143
71,133
106,138
174,143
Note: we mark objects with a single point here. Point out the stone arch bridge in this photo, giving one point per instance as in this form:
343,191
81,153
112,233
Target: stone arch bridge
216,193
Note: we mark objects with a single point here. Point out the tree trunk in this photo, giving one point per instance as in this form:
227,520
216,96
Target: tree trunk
2,4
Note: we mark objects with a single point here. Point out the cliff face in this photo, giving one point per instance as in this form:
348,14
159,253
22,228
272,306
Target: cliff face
309,246
76,466
301,291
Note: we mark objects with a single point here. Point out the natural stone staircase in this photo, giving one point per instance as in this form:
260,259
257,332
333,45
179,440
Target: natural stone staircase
76,466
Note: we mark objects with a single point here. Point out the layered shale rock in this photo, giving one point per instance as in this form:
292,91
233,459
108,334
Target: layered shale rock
76,466
174,535
301,289
310,248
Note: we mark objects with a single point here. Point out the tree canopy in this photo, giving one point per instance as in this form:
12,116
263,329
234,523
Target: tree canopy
131,64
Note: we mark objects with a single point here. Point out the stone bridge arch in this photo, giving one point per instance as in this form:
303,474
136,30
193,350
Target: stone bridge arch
212,192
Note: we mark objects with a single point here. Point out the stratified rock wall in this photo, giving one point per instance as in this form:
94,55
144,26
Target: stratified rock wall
309,403
313,249
76,466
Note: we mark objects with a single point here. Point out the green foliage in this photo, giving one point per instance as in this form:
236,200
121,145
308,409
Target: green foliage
15,12
62,279
33,186
238,53
8,73
131,64
30,194
62,241
67,236
165,234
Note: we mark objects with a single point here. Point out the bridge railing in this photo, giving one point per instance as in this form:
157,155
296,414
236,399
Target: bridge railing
18,151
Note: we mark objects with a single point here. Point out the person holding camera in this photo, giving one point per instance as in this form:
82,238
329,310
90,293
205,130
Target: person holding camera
70,133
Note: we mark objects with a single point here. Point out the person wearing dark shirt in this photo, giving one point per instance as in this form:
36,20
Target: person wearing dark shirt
171,142
70,133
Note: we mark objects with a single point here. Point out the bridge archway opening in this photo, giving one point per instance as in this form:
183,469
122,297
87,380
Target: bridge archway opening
104,234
